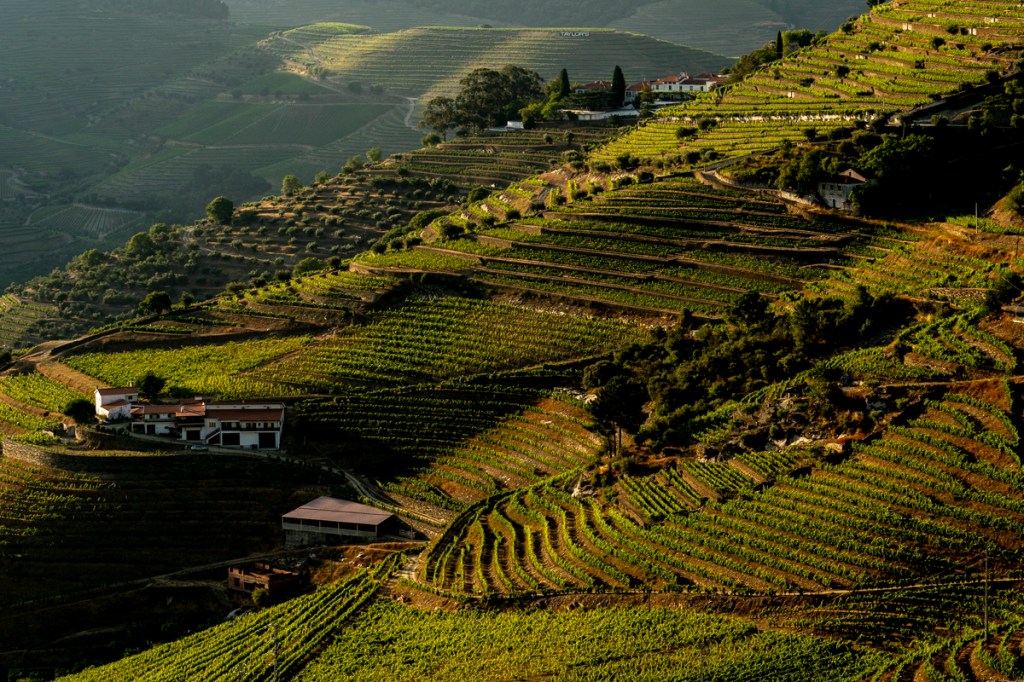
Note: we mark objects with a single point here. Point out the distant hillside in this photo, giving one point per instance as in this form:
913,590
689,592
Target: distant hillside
730,27
407,63
209,9
733,27
149,110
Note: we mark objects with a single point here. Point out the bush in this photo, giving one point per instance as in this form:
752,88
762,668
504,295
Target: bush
1015,200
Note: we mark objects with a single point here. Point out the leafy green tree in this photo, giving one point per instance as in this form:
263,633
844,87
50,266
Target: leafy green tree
306,265
374,155
490,98
260,598
353,164
140,244
290,185
219,210
620,405
441,114
155,302
750,311
93,258
150,385
81,410
618,95
1015,200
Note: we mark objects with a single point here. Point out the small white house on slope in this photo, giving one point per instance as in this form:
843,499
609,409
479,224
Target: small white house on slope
115,403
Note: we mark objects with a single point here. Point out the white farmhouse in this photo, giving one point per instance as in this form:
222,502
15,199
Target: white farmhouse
115,403
684,82
835,192
254,426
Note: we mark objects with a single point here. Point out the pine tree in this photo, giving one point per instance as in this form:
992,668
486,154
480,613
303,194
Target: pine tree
778,45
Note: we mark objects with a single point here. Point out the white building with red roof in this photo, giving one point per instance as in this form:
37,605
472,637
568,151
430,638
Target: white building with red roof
684,82
115,403
253,426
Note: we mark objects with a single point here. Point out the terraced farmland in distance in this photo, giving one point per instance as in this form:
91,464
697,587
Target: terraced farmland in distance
659,248
897,57
383,16
733,28
18,318
390,131
404,62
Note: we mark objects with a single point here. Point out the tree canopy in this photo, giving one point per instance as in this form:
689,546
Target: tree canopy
487,98
150,385
155,302
219,210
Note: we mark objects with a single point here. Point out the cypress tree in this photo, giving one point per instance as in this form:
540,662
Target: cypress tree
778,45
563,84
618,87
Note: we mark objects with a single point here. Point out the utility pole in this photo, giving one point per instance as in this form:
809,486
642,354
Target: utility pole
976,228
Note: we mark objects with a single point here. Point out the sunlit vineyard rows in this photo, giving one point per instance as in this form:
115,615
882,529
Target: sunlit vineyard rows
950,477
275,643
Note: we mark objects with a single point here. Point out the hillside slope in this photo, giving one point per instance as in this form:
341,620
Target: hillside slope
731,28
631,380
93,153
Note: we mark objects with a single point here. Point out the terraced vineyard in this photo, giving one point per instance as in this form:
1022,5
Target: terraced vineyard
17,317
40,391
447,448
664,247
404,62
899,57
210,369
435,339
568,389
616,643
298,629
902,508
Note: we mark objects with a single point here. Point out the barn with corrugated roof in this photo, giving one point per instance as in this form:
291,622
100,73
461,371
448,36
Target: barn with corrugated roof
328,520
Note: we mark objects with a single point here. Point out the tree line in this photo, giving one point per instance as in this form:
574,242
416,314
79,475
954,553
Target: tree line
489,98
